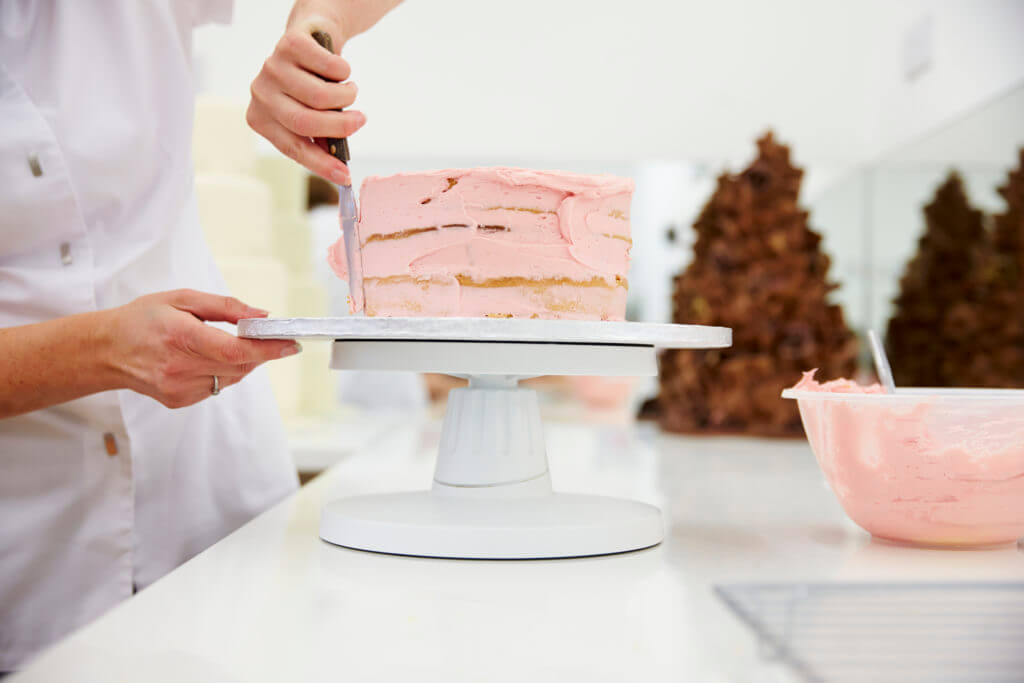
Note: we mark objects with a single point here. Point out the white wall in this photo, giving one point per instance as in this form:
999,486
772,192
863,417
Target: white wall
599,79
588,79
977,49
989,136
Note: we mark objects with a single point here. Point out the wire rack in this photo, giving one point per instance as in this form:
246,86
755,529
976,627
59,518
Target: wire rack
887,632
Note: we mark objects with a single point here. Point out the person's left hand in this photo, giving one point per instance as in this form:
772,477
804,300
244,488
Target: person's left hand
292,102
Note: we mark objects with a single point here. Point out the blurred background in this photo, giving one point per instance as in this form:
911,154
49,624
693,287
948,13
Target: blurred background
877,100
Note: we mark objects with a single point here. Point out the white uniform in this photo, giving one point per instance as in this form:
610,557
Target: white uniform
97,207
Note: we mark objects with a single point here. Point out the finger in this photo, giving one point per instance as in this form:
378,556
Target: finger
213,307
206,367
225,382
314,92
300,48
219,346
313,123
198,389
306,152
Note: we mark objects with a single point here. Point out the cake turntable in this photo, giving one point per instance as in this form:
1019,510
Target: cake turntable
491,496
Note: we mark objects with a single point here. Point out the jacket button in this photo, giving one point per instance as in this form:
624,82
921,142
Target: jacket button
111,443
33,164
65,253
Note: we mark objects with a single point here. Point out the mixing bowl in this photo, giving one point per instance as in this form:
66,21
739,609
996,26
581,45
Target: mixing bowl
926,466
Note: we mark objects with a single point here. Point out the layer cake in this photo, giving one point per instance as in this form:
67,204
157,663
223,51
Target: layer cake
496,242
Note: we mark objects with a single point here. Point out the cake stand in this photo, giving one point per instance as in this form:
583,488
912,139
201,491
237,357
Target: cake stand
491,496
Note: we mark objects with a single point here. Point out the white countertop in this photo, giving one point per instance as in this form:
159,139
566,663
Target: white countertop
272,602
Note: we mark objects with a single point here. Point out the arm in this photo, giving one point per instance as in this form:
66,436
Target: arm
156,345
291,100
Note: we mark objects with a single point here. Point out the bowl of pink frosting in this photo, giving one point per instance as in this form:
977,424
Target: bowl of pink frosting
937,467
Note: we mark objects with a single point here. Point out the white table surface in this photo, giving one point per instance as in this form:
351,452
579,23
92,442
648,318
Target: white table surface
273,603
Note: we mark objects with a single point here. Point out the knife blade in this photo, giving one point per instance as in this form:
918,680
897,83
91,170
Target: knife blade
338,148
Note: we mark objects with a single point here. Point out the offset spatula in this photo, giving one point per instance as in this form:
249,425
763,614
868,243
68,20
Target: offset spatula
338,148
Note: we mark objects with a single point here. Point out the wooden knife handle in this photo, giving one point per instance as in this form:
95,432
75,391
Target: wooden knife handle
338,147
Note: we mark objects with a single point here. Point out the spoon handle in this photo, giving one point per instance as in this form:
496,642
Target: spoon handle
881,363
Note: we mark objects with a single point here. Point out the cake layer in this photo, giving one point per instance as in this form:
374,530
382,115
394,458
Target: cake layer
501,297
235,212
221,141
293,242
307,296
287,182
258,282
492,241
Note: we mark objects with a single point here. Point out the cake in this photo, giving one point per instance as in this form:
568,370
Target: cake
221,140
252,208
235,213
491,242
287,180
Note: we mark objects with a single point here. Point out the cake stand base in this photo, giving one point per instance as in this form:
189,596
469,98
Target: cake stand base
431,524
491,497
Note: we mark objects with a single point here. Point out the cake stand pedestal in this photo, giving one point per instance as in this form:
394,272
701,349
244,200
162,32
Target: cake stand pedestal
491,497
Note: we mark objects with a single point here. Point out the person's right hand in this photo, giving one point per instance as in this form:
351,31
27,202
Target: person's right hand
160,346
298,92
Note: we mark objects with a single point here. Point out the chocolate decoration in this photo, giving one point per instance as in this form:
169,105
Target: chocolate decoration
986,329
935,282
759,269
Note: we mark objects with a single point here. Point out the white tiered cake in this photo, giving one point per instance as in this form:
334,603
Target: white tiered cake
253,212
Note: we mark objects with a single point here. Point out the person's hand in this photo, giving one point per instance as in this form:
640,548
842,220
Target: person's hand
160,346
297,92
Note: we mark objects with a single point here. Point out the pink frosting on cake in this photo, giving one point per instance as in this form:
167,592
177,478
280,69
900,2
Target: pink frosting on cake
928,468
491,242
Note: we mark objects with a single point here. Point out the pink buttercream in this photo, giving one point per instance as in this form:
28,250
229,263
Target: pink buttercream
421,233
940,469
836,386
336,259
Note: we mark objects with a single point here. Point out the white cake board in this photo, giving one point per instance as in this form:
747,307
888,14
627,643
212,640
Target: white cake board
491,497
489,329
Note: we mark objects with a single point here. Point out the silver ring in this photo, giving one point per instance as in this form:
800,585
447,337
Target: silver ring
216,386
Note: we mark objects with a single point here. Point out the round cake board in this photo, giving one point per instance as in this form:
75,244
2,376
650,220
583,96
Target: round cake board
659,335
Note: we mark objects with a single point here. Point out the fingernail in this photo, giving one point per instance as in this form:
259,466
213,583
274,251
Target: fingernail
340,177
291,350
360,117
258,312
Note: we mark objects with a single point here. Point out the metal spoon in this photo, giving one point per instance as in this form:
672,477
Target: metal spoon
881,363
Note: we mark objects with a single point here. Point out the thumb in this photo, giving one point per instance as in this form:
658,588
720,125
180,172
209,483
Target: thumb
328,31
213,307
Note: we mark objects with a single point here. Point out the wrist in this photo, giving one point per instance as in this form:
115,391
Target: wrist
99,337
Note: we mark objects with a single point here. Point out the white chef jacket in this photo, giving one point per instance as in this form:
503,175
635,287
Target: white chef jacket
97,207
